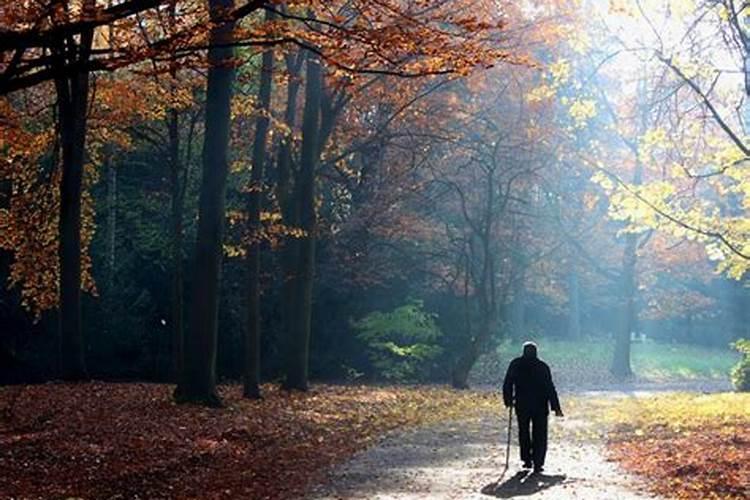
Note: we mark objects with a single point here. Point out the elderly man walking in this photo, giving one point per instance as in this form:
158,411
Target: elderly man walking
529,388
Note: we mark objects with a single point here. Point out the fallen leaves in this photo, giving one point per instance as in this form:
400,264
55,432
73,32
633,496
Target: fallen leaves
102,440
690,446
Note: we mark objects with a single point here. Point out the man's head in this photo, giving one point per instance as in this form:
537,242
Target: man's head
529,349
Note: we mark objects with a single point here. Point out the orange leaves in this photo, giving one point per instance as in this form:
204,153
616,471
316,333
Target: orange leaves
710,463
690,446
104,440
392,37
29,227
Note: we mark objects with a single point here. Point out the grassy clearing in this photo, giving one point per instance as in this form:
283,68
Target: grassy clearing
587,362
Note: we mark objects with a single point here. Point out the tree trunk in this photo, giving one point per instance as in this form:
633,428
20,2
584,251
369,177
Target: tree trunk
198,380
628,323
177,188
574,305
176,222
251,381
72,102
111,223
463,366
486,289
621,359
477,343
299,333
518,312
287,203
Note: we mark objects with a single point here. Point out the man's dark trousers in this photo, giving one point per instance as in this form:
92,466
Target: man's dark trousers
533,442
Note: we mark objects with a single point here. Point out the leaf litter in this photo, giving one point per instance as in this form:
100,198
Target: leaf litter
105,440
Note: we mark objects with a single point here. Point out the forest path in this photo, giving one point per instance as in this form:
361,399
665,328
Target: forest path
465,460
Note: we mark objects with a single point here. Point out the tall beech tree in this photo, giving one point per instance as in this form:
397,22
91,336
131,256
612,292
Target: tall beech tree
302,260
72,90
251,387
198,380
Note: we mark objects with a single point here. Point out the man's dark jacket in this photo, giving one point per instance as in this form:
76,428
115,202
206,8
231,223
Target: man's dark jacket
534,391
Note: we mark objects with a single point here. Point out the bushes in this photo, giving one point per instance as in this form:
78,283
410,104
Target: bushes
401,344
741,371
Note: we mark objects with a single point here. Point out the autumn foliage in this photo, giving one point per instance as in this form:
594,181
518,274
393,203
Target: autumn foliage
203,190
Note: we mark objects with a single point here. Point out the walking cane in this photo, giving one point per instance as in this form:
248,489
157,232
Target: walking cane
507,446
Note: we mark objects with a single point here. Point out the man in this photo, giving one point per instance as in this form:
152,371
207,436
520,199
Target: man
528,386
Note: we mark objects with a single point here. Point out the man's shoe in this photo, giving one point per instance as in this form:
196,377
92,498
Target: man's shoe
538,469
527,465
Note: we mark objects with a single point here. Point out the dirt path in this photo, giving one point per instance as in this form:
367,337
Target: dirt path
466,461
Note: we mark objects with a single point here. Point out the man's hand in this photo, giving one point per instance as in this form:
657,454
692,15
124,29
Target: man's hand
559,413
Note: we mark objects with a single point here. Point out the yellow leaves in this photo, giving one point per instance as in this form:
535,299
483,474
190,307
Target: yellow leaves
640,206
557,75
240,165
636,213
682,8
272,230
676,171
541,93
233,251
582,110
729,265
676,412
692,69
652,139
622,7
723,12
604,181
560,72
580,42
243,105
729,156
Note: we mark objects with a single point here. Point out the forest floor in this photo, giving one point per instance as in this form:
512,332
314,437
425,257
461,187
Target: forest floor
131,441
116,441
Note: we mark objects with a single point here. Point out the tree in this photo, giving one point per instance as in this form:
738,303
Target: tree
198,381
72,100
259,159
304,269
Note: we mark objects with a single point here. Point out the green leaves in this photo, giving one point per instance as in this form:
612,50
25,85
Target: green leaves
741,371
401,343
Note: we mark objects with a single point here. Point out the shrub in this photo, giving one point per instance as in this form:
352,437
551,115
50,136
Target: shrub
401,344
741,371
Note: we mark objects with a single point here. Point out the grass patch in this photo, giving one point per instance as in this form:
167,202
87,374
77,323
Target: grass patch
587,362
677,361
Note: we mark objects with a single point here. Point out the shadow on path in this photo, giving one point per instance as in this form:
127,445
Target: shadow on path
522,484
455,459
